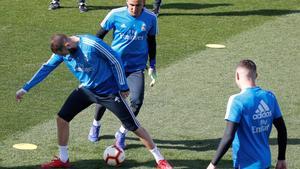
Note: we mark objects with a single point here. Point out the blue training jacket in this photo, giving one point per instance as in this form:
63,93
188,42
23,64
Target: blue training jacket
96,65
130,36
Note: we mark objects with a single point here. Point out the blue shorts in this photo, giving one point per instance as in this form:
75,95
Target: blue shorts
81,98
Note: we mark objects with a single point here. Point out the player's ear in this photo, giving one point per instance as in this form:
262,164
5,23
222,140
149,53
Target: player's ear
67,45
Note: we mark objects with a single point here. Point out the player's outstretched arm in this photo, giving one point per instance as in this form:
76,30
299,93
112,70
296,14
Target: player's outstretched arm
39,76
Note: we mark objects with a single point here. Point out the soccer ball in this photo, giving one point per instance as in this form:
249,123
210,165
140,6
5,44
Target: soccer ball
113,155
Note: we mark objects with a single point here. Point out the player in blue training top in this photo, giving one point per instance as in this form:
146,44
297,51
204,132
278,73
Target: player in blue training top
134,39
102,81
134,31
250,115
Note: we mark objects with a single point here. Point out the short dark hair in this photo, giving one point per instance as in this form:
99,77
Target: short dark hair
249,65
58,42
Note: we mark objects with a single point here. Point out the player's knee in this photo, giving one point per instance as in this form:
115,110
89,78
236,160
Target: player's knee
63,116
61,120
136,100
136,105
130,127
130,124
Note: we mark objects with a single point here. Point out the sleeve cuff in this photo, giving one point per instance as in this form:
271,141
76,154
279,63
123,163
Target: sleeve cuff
125,90
23,90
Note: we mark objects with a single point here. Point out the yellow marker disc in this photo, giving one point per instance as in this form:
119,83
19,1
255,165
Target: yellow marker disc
25,146
216,46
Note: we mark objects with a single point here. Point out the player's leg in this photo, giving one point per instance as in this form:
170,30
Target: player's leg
156,7
95,128
82,6
150,145
117,105
136,84
54,4
75,103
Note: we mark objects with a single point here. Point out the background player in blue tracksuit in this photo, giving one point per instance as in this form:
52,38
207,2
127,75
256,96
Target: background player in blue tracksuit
134,31
249,117
156,7
102,81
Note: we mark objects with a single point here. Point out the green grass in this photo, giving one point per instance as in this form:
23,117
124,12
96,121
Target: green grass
190,98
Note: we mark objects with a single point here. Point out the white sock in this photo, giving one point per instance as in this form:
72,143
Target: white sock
63,153
96,123
123,130
156,153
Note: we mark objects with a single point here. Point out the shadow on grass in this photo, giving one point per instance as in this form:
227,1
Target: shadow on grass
260,12
170,6
97,164
192,5
90,8
290,141
187,6
192,145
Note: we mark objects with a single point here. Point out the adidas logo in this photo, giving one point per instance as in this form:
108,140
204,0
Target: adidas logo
117,99
263,111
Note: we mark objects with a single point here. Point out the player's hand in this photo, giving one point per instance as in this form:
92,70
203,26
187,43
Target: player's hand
125,94
281,164
19,94
153,76
211,166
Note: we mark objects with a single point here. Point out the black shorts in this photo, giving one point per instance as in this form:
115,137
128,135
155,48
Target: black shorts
81,98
